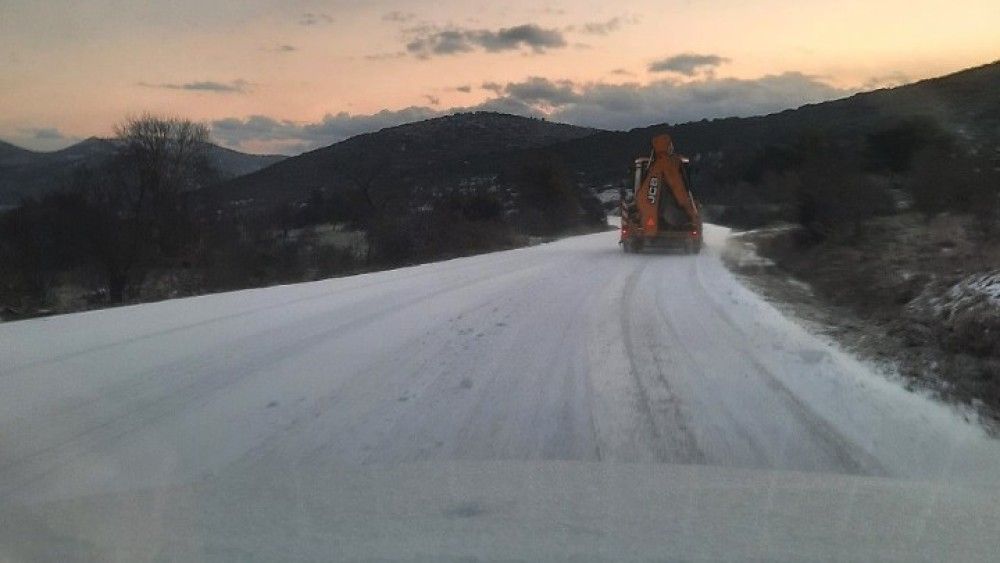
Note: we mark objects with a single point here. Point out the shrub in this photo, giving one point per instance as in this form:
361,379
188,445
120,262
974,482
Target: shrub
835,201
957,182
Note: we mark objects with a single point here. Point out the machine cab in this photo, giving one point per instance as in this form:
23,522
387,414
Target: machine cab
639,168
631,185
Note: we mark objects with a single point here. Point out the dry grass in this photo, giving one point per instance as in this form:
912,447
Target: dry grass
889,295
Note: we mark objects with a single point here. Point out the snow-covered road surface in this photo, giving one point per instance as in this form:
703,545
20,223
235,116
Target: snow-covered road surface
565,351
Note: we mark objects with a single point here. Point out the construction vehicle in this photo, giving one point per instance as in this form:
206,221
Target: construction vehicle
658,209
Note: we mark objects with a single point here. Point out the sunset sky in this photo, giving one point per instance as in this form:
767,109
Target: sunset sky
289,76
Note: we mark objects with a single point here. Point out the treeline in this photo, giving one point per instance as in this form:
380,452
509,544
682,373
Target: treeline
899,227
133,229
833,186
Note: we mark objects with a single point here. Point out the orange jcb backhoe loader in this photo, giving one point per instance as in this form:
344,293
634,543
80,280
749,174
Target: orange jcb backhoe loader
658,210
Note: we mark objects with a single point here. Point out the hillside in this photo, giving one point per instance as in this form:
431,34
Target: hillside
12,155
25,173
964,104
456,149
416,154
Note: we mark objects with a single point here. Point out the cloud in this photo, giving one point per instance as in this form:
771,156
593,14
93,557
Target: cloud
43,133
310,18
890,80
494,87
622,72
236,86
605,27
465,88
432,100
528,35
686,63
263,133
430,41
602,28
385,56
624,106
600,105
285,48
505,104
398,17
539,91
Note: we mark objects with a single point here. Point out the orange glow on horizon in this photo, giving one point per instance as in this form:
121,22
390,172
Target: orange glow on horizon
81,69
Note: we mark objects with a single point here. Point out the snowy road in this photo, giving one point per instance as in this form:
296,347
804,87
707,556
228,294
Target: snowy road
565,351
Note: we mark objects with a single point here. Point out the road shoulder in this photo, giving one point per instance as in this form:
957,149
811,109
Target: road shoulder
894,353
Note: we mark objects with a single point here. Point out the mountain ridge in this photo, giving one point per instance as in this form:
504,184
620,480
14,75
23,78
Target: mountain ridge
413,152
960,101
25,173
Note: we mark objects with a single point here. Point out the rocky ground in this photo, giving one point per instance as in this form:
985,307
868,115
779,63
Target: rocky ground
921,298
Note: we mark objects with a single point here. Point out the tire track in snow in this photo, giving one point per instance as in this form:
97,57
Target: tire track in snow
672,440
709,391
195,392
360,286
852,458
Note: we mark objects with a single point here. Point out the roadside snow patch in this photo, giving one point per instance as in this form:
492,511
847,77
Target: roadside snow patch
969,310
980,290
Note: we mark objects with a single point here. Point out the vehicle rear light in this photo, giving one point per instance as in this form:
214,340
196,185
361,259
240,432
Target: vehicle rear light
694,233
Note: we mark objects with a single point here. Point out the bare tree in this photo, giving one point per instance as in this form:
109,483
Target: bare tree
136,198
369,172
